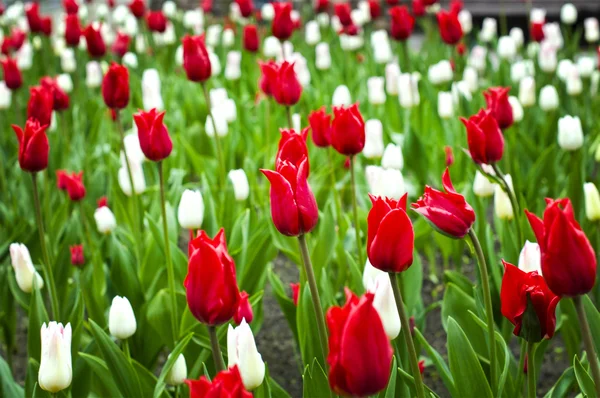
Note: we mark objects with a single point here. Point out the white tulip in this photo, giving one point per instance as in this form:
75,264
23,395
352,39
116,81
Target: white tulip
547,57
322,56
215,63
213,35
482,186
471,77
553,35
119,14
233,69
234,12
287,49
530,258
520,69
323,19
373,139
271,47
67,60
370,274
478,58
502,205
267,12
392,74
592,31
385,182
489,30
65,82
533,49
230,110
359,17
130,26
121,319
169,8
507,48
574,83
568,14
242,352
527,91
517,108
440,73
93,76
385,305
151,96
178,372
565,66
445,105
549,98
382,50
341,96
130,60
25,56
409,95
56,370
351,43
228,38
105,220
336,25
592,201
239,180
375,89
133,149
25,272
5,95
137,174
517,36
296,122
312,33
586,66
570,133
392,157
218,96
466,21
537,15
190,212
220,122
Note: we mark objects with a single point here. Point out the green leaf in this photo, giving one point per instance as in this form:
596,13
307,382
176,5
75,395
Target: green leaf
390,391
8,386
160,384
593,317
315,381
438,362
564,384
586,384
37,317
99,367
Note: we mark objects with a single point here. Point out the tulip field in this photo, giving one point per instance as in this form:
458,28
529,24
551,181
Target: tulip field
401,196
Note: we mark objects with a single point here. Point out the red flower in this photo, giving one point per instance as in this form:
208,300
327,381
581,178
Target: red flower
295,292
375,8
226,384
14,41
33,146
72,30
568,259
210,285
537,31
343,11
320,124
246,7
115,86
77,258
282,26
156,21
153,134
46,26
456,6
121,44
448,211
321,6
292,148
449,156
392,3
34,20
520,290
350,30
287,89
60,97
1,9
12,75
360,353
497,101
207,6
418,8
486,142
195,58
71,7
293,205
450,29
268,77
347,130
137,8
429,2
61,180
244,310
461,49
103,201
402,23
390,238
72,183
95,43
251,39
40,105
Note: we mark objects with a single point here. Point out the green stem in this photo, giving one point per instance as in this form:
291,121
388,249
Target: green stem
336,195
216,134
531,379
47,265
361,260
513,201
314,294
404,321
216,350
126,349
170,271
288,111
487,298
405,56
521,368
588,343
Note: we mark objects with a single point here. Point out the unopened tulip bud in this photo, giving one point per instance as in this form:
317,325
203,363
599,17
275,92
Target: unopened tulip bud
574,83
570,133
445,105
65,82
568,14
392,157
471,77
130,59
228,38
151,96
517,108
267,12
25,272
385,182
586,66
190,213
549,98
592,31
507,48
137,175
547,57
466,21
121,319
502,204
93,74
592,201
105,220
385,304
527,91
482,186
489,30
370,274
392,74
323,57
5,96
241,351
375,90
478,58
56,370
233,70
341,96
241,188
271,47
220,123
440,73
517,36
178,372
530,258
296,121
312,33
409,95
373,139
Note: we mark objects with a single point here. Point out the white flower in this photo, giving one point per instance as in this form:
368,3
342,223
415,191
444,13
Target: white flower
130,60
105,220
25,56
373,139
137,175
239,180
133,150
323,19
517,108
341,96
592,201
445,105
267,12
530,258
5,95
385,182
296,121
527,91
520,69
565,66
233,70
466,21
121,319
213,35
568,14
382,50
482,186
241,351
517,36
392,74
312,33
130,26
592,32
151,96
440,73
56,371
537,15
375,90
65,82
409,95
489,30
93,77
119,14
502,205
351,43
570,133
190,213
271,47
586,66
392,157
547,57
549,98
478,58
169,8
507,48
574,83
322,56
553,35
385,304
25,272
471,77
178,372
228,38
215,63
67,60
220,122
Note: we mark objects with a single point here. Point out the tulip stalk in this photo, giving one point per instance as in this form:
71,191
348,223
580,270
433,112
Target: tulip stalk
531,378
588,342
215,348
487,298
217,138
513,200
170,271
288,111
46,266
408,340
521,368
314,294
361,260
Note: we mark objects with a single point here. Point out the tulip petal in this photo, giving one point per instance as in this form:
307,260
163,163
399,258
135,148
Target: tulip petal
308,212
392,248
284,209
537,225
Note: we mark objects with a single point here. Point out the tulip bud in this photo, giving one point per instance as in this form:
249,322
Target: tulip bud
549,98
67,60
312,33
409,96
530,258
178,372
56,371
373,139
466,21
65,82
322,56
241,351
239,180
507,48
574,83
547,57
196,61
445,105
482,186
570,133
489,30
341,96
382,51
33,146
471,78
137,175
105,220
153,134
440,73
392,74
121,319
478,58
190,213
392,157
5,96
449,26
244,310
25,272
220,122
586,66
592,31
592,201
375,90
527,91
233,70
517,36
502,204
517,108
271,47
385,182
267,12
385,304
93,76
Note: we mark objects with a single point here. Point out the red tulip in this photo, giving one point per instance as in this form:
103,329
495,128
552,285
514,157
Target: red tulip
320,124
282,26
418,8
456,6
321,6
72,183
244,310
195,58
287,89
95,43
343,11
268,77
17,38
72,30
292,148
156,21
33,146
497,101
350,30
207,6
115,86
293,205
251,40
347,130
537,31
121,44
449,155
12,75
246,7
210,285
71,7
391,237
34,20
450,29
102,202
375,8
61,180
402,23
40,105
486,142
1,8
153,134
360,353
392,3
77,258
448,211
519,291
46,26
226,384
137,8
60,99
429,2
295,292
568,259
7,45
